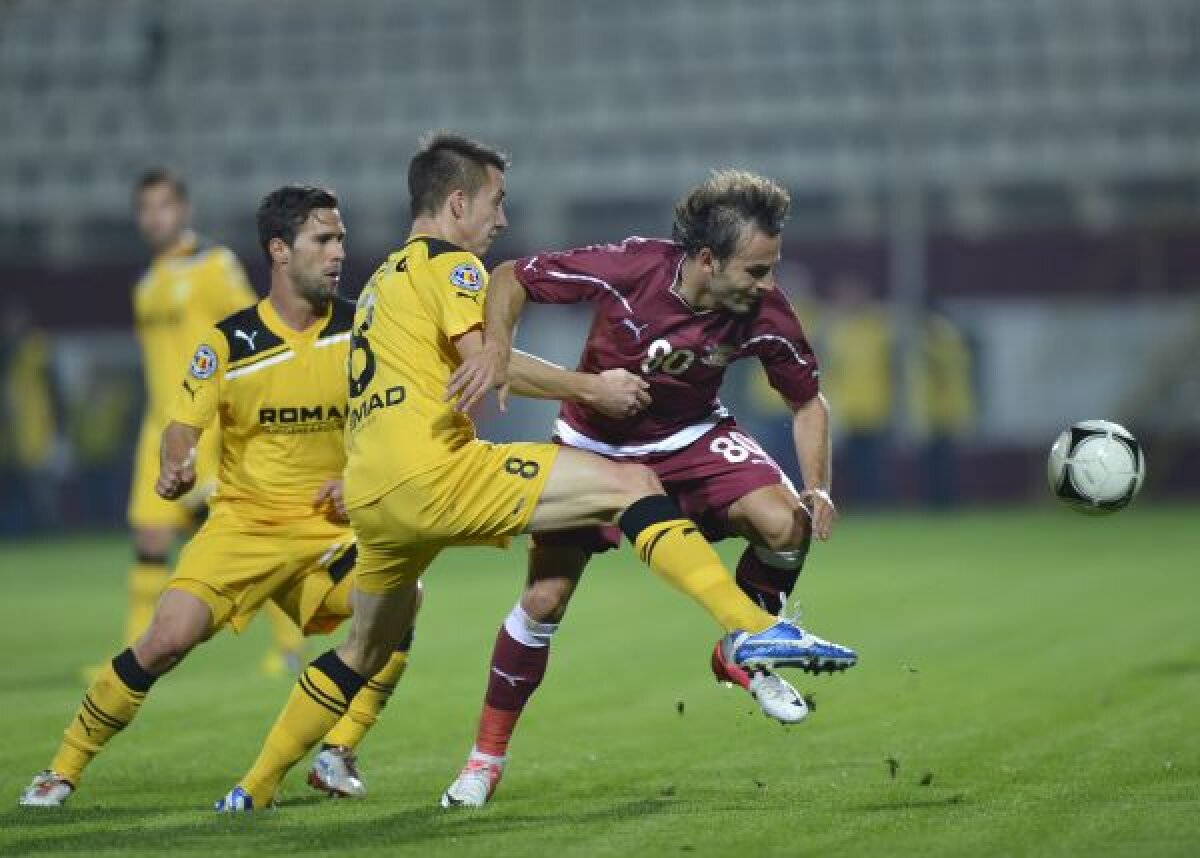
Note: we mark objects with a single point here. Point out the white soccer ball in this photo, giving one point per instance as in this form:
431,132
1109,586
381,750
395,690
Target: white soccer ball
1096,467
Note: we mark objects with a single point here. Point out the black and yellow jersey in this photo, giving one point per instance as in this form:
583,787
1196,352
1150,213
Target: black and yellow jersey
182,294
426,295
280,395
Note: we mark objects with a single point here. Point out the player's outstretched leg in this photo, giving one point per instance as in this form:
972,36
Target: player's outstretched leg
519,660
113,699
583,489
325,689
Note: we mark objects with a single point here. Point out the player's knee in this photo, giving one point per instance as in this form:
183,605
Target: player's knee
152,543
546,600
164,645
635,482
783,529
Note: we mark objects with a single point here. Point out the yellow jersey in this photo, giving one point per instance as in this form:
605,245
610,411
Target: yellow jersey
425,296
185,291
280,395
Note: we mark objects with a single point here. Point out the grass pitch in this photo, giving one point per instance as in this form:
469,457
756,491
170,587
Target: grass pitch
1029,685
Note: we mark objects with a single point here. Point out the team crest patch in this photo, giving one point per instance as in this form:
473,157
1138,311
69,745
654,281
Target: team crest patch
204,363
717,355
467,276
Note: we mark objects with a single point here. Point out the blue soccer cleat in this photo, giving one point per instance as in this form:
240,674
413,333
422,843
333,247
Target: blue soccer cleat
786,645
237,800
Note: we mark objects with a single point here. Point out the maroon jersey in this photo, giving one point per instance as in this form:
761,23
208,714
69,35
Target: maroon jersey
644,326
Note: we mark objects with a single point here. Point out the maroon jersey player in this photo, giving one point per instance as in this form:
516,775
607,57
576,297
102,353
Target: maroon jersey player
677,313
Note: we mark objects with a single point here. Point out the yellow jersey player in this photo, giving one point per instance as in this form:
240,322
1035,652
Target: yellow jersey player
189,285
418,480
274,374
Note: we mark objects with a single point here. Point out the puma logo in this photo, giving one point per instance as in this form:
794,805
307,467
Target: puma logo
249,338
508,677
635,327
191,390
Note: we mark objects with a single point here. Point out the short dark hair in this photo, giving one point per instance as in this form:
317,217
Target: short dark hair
445,163
161,176
282,211
715,213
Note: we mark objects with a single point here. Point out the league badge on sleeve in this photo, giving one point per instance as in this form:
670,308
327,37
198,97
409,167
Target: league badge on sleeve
467,277
204,363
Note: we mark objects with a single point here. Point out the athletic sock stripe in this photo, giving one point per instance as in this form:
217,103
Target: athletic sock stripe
324,695
648,551
102,716
320,696
380,686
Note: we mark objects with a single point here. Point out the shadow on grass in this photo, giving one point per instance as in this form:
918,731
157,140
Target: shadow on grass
283,832
915,804
1171,668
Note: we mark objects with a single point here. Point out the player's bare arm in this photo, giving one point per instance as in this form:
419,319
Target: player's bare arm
487,368
614,392
810,430
177,460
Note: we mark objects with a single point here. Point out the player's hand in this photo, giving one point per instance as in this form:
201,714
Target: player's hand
483,371
175,479
618,393
330,495
821,510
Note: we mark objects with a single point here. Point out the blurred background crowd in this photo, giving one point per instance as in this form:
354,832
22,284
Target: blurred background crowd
996,203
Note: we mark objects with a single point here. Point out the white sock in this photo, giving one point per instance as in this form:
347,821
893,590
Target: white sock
525,630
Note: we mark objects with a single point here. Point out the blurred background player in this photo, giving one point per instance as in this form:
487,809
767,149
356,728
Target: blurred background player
31,455
190,285
678,313
860,374
943,404
272,378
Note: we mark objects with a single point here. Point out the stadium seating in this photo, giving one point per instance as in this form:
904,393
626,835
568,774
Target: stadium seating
632,97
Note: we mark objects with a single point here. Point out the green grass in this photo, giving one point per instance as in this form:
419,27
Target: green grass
1039,669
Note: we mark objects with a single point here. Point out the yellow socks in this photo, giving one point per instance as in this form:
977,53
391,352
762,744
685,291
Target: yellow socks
320,698
109,704
674,548
147,579
368,703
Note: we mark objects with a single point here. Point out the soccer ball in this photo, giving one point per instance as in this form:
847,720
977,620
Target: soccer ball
1096,467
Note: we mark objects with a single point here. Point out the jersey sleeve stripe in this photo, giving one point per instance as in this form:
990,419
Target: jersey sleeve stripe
329,341
604,284
784,340
262,364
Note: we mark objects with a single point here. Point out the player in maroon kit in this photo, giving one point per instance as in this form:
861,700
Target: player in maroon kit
678,313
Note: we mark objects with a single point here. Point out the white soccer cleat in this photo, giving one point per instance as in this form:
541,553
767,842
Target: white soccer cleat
777,697
774,694
47,789
476,782
335,772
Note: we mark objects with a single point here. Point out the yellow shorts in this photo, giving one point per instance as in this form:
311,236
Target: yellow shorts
146,508
234,564
483,494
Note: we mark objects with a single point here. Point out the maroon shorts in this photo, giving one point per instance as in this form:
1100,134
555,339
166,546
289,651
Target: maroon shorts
705,478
